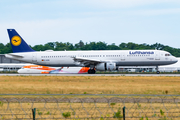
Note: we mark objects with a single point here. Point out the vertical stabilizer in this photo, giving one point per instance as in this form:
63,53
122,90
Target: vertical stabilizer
17,42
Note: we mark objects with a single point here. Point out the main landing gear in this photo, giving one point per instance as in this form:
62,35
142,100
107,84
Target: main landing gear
157,70
91,71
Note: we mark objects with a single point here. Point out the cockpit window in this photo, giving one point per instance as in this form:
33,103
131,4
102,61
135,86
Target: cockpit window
168,55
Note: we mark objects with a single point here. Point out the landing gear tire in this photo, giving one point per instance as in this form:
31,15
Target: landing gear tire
91,71
157,68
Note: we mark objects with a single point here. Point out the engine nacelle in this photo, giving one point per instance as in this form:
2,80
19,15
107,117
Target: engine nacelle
106,66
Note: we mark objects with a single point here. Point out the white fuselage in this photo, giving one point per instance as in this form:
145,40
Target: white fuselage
120,57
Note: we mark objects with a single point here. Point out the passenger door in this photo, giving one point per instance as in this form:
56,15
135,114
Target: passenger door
123,56
34,58
157,55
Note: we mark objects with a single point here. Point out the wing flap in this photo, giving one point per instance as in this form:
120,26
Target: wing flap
87,61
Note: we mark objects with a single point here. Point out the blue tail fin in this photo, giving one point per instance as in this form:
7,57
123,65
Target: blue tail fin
17,42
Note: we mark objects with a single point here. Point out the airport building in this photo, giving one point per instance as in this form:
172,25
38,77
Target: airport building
7,64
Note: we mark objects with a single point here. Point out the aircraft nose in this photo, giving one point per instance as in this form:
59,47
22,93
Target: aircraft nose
175,59
19,71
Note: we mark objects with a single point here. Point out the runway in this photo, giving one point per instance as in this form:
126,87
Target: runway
90,75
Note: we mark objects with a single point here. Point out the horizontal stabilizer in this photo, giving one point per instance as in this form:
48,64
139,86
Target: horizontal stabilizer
14,55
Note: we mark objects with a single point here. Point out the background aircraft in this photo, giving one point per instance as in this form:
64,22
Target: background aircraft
38,69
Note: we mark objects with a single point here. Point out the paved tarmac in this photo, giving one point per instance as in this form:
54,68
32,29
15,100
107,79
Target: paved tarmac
89,74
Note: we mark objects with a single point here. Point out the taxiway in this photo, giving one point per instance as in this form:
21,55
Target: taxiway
90,75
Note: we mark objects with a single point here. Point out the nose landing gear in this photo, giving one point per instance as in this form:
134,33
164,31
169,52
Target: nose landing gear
157,70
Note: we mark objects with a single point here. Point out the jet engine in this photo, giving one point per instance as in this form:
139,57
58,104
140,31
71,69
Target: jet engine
106,66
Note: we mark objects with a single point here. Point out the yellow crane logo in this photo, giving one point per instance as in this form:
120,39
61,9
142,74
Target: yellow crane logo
16,40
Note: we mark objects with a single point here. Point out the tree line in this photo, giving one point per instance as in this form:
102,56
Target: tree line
59,46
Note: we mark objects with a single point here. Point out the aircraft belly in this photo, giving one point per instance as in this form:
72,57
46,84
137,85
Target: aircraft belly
143,63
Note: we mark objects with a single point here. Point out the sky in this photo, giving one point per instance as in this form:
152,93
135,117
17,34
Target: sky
109,21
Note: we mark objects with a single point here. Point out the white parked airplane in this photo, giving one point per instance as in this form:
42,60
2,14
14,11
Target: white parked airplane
38,69
99,59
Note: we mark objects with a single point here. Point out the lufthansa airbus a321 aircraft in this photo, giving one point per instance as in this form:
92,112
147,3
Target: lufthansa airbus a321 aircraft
96,59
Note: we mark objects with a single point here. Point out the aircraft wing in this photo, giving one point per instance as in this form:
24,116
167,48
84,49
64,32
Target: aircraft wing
87,61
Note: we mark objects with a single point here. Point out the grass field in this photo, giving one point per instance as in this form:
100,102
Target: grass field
89,85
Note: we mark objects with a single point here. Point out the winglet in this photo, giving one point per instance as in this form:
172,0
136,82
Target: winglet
17,42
